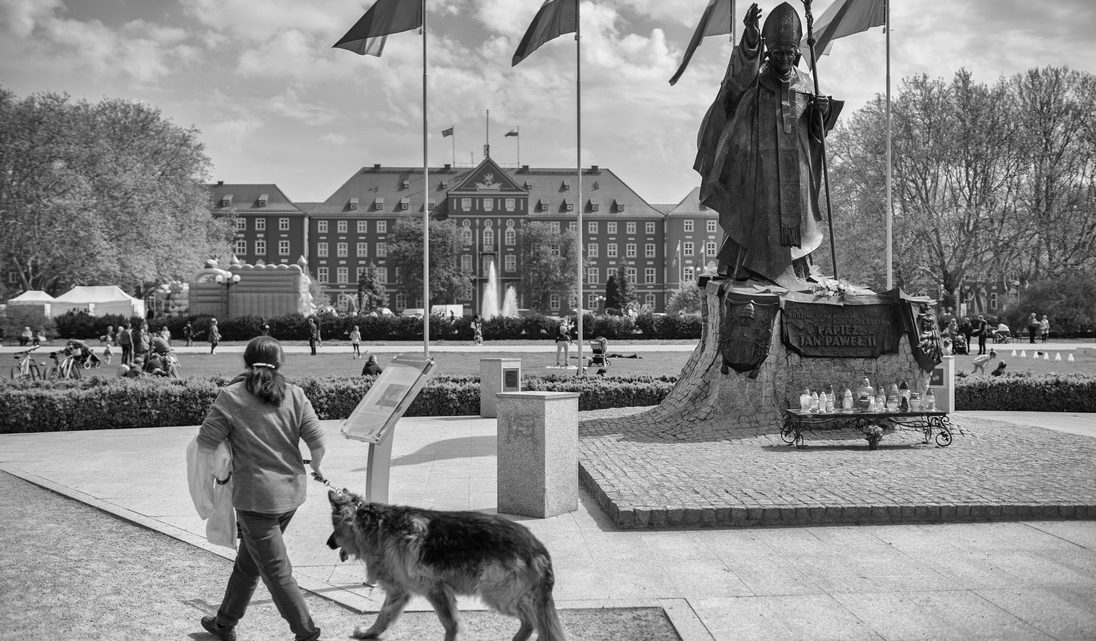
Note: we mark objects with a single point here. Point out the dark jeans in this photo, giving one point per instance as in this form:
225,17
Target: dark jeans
312,345
1031,335
262,554
982,343
127,354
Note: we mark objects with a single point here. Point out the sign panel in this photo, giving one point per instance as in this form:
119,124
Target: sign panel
841,331
388,398
510,380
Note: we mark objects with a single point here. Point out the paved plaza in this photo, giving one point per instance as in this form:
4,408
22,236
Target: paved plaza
1032,579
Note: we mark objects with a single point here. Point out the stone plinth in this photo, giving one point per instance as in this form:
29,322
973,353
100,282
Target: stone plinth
497,375
942,382
537,453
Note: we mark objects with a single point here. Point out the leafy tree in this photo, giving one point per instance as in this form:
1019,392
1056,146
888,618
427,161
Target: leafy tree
110,192
626,293
549,265
371,291
686,299
447,281
612,293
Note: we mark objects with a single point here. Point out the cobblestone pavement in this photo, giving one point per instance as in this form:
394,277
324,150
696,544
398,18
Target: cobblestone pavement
991,471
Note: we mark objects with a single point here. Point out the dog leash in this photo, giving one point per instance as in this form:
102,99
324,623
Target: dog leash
319,477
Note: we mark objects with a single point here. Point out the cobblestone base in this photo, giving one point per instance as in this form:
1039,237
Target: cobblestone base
992,471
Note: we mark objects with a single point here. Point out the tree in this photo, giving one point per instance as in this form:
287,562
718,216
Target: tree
612,293
371,291
110,192
626,293
686,299
549,265
447,281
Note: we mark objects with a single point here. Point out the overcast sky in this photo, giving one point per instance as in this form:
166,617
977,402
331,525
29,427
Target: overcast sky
276,104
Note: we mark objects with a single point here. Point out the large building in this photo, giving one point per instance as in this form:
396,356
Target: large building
659,247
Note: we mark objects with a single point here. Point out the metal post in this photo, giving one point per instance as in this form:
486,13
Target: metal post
425,203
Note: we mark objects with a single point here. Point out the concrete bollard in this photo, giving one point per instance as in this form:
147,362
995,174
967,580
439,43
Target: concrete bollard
942,382
537,453
497,375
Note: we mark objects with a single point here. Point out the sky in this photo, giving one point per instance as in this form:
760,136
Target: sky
276,104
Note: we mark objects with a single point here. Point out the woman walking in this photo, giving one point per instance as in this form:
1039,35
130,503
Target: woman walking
214,335
264,418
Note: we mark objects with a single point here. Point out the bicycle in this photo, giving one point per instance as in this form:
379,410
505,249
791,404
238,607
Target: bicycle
27,367
63,368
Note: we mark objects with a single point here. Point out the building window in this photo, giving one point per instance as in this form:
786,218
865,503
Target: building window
321,274
382,226
649,250
591,227
649,227
488,239
283,224
630,250
631,273
688,273
382,275
630,228
260,248
382,249
321,250
466,204
341,250
342,275
510,262
241,224
688,225
553,301
363,226
592,275
554,226
553,250
510,237
241,247
260,224
709,248
283,247
687,248
711,226
363,250
611,250
341,226
344,302
572,226
611,228
466,263
466,236
591,250
649,276
321,226
649,301
511,203
488,204
591,301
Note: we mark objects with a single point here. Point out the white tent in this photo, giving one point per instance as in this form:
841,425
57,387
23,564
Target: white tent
33,297
98,301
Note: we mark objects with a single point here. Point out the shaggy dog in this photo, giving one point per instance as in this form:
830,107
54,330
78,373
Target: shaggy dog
439,555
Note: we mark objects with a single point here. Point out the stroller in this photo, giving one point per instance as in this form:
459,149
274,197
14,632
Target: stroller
82,354
598,349
1002,334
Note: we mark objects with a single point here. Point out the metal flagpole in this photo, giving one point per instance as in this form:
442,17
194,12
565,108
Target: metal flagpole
822,133
425,205
578,160
890,167
454,141
518,129
487,137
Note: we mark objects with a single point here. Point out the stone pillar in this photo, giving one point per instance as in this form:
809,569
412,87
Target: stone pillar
497,375
537,453
942,382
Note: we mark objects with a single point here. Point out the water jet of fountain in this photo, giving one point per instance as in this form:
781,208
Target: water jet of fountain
510,303
489,307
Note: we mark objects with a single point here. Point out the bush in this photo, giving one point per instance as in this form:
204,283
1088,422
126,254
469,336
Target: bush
1069,303
1027,393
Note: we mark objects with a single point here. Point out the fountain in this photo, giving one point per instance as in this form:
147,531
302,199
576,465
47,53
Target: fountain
490,307
510,303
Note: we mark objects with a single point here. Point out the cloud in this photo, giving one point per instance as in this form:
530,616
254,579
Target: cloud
290,105
261,20
335,139
232,133
19,17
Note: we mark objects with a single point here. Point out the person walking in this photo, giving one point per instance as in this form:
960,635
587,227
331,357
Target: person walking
264,418
563,342
1044,328
108,341
188,334
356,341
214,335
477,329
125,341
313,334
142,343
1032,327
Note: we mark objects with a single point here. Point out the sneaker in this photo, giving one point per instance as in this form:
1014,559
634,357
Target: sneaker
211,626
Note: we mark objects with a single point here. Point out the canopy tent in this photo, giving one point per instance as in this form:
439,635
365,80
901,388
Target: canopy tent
33,297
98,301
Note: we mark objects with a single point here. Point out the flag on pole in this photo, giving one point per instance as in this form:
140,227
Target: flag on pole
384,18
843,18
715,21
677,254
555,18
445,133
513,133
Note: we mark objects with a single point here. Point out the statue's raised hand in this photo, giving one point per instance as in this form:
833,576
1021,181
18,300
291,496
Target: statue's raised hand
752,20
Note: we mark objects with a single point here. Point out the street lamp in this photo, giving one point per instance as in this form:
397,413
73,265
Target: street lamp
228,280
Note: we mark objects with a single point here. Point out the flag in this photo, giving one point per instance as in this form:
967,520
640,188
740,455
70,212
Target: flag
555,18
677,254
385,17
716,20
512,133
445,133
843,18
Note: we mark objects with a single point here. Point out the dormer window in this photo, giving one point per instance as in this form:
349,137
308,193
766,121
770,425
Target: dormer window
593,205
378,204
525,185
596,186
617,205
262,200
226,200
405,184
404,203
564,186
352,203
443,184
568,205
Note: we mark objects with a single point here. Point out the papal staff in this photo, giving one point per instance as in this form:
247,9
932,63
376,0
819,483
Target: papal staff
821,132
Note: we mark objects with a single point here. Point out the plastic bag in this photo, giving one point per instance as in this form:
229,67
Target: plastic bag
209,477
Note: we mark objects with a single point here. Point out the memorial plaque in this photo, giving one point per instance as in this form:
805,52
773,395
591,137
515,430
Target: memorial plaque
936,379
511,381
841,331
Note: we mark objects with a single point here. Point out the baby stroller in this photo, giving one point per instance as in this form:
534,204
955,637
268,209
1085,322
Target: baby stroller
1002,334
599,359
82,354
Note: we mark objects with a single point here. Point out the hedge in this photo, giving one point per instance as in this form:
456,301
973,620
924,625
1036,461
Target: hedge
111,403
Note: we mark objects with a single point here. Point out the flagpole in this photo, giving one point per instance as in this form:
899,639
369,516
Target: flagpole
454,141
890,166
425,204
518,129
578,161
487,136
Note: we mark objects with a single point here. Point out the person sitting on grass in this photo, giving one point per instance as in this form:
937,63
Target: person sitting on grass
1000,370
371,367
981,360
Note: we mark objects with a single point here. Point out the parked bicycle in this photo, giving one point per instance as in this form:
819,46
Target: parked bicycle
65,366
27,367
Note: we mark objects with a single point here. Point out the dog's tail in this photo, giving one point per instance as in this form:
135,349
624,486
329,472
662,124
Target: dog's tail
548,625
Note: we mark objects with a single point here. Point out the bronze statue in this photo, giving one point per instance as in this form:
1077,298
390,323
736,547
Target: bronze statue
760,154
